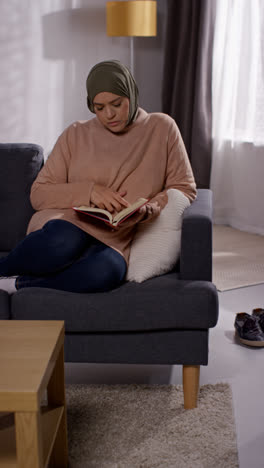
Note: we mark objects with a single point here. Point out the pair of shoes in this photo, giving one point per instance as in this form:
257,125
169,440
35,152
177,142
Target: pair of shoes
259,314
250,328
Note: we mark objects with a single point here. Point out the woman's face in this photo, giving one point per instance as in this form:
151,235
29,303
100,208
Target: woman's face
112,111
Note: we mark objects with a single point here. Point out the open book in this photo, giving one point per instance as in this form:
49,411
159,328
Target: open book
107,217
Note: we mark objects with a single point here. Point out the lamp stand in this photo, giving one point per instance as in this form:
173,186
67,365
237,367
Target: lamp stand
132,60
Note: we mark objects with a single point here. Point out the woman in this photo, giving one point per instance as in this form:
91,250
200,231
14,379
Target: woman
120,155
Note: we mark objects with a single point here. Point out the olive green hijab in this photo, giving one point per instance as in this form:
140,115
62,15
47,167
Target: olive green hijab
113,77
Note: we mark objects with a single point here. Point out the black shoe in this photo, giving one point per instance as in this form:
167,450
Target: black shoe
249,330
259,314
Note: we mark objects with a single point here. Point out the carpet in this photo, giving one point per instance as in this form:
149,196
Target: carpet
146,426
238,258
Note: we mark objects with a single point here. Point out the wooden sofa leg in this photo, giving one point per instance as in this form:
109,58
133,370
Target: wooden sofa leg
191,375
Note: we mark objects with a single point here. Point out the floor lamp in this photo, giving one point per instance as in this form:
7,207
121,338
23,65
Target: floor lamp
131,18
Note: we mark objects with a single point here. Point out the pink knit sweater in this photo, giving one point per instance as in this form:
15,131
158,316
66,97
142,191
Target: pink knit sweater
145,160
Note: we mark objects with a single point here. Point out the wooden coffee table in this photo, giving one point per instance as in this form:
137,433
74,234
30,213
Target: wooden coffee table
32,371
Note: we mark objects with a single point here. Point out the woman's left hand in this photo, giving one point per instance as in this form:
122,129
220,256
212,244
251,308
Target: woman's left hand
151,209
148,210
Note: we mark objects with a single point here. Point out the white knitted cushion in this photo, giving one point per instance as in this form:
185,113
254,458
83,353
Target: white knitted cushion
156,246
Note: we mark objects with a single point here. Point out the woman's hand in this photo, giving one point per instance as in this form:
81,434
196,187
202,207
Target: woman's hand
146,211
151,209
106,199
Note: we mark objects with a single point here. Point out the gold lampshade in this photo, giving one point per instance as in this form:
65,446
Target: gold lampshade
131,18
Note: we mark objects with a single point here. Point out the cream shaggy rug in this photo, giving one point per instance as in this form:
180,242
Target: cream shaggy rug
146,426
238,258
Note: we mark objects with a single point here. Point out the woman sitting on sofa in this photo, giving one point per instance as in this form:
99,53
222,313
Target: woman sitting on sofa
108,162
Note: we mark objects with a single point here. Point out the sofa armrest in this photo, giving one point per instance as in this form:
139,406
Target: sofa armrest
20,165
196,240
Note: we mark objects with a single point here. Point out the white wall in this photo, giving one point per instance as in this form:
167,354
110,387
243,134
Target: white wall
47,48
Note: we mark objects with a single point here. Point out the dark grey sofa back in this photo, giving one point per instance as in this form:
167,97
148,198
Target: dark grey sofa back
20,164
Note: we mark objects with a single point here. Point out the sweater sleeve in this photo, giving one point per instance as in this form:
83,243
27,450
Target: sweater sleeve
179,174
51,188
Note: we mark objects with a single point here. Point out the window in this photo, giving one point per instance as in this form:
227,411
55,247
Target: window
238,71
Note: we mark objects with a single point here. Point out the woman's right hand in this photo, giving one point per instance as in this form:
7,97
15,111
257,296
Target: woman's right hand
106,199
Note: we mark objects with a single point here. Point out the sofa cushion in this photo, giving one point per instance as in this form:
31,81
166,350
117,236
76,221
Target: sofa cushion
20,164
164,302
4,305
156,246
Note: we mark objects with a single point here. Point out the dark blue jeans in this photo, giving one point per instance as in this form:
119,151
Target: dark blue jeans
62,256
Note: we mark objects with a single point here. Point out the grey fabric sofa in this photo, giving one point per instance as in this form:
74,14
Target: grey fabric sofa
164,320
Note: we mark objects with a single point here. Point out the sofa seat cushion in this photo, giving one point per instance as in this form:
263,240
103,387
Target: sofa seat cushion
4,305
164,302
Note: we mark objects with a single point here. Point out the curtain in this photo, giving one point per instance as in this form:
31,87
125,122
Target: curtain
187,95
238,115
47,48
31,88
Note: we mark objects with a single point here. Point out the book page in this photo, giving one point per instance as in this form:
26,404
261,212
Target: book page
106,216
122,214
